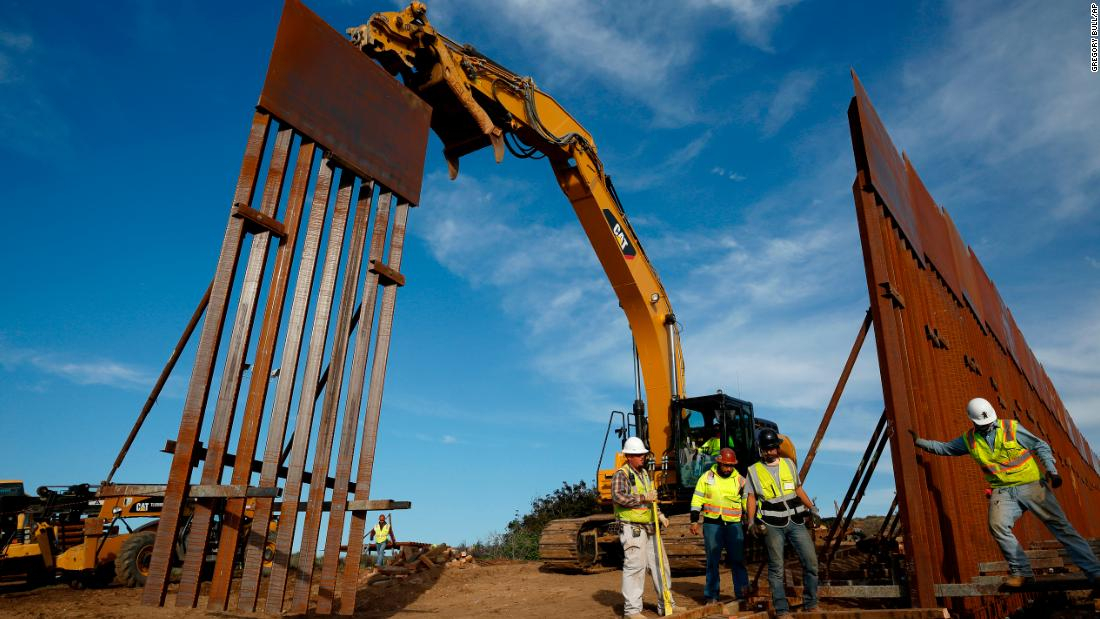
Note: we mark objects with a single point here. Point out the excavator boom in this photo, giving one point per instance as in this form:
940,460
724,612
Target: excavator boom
477,103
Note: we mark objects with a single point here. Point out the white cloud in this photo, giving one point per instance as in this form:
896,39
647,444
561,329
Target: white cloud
18,41
754,19
81,371
1008,90
642,50
730,174
791,96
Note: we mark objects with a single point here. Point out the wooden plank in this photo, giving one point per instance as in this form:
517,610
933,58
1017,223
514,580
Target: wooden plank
387,275
1002,566
198,389
233,370
260,220
377,505
284,390
350,431
373,413
885,613
304,422
322,450
860,591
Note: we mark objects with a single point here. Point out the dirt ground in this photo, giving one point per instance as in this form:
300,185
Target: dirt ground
512,589
507,589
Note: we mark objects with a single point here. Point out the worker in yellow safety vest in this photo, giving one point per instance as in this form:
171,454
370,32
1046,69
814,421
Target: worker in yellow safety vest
633,496
720,497
784,512
713,444
1006,452
382,534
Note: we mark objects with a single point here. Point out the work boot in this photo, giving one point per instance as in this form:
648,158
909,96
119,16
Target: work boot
634,616
1016,581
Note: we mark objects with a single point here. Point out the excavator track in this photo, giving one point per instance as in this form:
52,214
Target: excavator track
585,545
579,544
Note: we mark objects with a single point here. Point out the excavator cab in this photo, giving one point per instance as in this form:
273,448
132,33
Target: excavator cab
697,422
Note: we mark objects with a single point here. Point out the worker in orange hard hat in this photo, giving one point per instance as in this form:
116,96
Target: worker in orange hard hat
1006,453
720,497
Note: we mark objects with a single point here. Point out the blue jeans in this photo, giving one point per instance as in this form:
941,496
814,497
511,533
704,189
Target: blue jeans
729,537
799,538
1009,503
381,553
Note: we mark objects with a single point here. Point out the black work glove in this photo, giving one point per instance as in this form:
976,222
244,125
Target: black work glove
1055,480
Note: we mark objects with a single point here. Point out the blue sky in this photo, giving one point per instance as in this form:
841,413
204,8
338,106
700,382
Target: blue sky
723,124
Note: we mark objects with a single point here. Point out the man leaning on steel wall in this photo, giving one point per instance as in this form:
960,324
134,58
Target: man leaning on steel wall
1006,452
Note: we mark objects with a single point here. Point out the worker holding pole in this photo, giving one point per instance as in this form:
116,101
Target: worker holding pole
784,509
1006,453
719,496
382,534
636,514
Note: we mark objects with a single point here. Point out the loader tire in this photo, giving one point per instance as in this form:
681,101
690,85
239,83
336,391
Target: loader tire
132,563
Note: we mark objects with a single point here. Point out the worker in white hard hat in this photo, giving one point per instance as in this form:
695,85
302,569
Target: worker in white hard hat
1006,453
634,496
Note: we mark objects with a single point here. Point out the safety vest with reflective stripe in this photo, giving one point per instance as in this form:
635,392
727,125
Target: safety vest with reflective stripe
1008,463
381,533
640,481
719,497
712,446
778,501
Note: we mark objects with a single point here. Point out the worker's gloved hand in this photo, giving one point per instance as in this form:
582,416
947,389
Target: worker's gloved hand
663,519
760,529
651,496
1055,480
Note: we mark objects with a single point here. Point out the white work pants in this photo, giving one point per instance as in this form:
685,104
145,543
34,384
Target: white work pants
640,554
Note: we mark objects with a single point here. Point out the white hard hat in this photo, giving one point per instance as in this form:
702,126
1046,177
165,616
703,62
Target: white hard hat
981,412
634,446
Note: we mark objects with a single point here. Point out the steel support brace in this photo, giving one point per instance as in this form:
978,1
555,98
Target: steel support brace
837,392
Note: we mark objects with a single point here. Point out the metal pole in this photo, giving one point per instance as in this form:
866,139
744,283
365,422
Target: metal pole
829,410
163,378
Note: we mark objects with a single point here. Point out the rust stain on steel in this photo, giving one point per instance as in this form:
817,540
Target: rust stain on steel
926,385
232,519
322,451
199,387
373,413
232,375
350,429
284,389
330,91
304,421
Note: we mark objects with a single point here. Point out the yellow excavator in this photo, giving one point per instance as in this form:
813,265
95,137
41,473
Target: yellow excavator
478,103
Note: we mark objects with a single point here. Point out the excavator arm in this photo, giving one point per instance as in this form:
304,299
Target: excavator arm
478,103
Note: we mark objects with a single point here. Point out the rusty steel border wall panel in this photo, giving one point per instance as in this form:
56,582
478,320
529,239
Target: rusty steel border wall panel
944,335
326,98
357,117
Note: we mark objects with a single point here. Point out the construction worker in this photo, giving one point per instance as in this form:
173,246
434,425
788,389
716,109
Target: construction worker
1006,452
382,533
720,496
713,444
784,508
634,498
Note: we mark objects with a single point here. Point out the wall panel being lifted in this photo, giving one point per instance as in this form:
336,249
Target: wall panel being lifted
944,336
354,140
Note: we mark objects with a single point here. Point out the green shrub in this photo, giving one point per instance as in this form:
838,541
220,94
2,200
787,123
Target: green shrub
520,540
